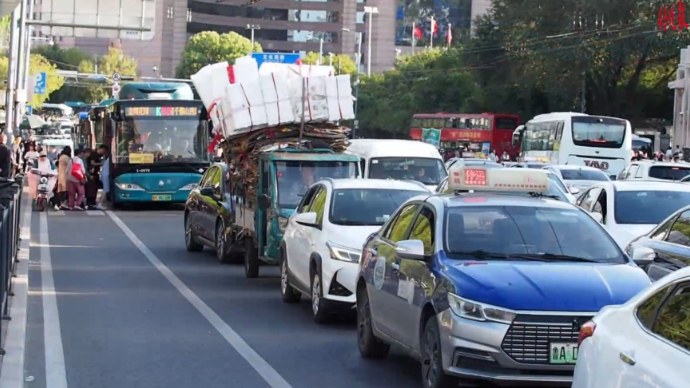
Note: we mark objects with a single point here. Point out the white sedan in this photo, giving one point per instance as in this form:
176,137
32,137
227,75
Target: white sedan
629,209
578,178
644,343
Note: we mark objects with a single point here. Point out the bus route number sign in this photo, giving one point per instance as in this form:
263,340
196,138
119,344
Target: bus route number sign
161,111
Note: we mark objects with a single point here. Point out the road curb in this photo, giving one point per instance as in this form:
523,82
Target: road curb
12,368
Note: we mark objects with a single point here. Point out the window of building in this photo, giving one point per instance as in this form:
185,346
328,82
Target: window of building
171,12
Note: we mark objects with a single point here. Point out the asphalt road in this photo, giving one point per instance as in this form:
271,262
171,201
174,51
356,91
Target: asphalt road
116,301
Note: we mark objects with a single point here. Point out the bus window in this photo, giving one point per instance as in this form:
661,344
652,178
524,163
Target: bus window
506,123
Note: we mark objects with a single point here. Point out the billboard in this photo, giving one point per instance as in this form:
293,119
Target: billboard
82,18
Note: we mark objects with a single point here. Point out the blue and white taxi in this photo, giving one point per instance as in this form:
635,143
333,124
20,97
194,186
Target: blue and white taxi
489,285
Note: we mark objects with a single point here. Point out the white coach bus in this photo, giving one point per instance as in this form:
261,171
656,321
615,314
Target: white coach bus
577,139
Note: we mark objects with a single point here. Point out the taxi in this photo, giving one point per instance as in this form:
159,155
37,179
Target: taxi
491,284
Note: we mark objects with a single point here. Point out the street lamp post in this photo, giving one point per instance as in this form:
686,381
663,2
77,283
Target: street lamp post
253,27
370,11
358,62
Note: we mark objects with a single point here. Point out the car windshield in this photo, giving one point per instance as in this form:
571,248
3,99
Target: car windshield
598,132
295,177
428,171
367,206
583,175
670,173
648,207
522,230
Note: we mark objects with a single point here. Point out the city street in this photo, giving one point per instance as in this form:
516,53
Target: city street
115,300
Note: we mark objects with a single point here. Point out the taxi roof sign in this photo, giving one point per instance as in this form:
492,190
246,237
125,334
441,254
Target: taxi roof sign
462,178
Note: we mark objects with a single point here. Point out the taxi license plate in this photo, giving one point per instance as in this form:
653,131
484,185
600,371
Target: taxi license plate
563,353
162,197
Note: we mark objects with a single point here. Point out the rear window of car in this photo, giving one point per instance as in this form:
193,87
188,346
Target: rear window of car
671,173
583,175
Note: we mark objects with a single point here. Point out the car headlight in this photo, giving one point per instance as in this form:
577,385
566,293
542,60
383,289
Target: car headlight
343,253
129,186
189,187
479,311
282,224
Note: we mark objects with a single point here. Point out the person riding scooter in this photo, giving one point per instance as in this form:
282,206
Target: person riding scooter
42,180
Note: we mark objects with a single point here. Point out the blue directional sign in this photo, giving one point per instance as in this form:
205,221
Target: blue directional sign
29,110
275,58
40,85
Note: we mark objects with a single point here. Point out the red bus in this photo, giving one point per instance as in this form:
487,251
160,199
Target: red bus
459,130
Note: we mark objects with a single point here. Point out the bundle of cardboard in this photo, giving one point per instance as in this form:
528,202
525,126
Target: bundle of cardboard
242,98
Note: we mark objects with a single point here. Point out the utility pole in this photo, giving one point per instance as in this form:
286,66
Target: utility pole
12,75
583,101
27,62
20,98
253,27
370,11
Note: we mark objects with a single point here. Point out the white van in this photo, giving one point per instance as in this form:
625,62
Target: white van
400,160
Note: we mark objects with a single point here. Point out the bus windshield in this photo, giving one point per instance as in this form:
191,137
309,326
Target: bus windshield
598,132
162,140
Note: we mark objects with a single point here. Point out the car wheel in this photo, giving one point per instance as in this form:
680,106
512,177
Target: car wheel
192,246
287,292
369,345
220,243
319,306
433,375
251,259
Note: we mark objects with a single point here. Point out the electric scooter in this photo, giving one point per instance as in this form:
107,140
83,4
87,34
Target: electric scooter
43,189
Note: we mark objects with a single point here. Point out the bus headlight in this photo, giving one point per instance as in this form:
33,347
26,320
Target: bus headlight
478,311
189,187
129,187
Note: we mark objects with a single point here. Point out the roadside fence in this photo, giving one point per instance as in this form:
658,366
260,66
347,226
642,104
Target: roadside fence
10,214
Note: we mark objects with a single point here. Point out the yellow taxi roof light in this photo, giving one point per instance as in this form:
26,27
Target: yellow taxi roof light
463,178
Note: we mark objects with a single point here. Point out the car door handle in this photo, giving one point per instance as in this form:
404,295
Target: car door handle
627,359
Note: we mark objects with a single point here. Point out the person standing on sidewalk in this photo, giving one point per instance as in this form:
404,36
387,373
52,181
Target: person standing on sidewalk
76,177
63,172
5,158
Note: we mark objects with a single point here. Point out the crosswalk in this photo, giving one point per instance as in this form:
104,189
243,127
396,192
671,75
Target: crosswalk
58,213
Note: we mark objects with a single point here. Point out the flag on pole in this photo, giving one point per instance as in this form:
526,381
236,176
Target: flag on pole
434,26
449,35
417,32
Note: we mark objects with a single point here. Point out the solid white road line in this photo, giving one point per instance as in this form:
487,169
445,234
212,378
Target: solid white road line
262,367
56,375
12,375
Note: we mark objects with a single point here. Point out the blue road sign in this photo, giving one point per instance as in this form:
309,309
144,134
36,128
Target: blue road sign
29,110
40,85
275,58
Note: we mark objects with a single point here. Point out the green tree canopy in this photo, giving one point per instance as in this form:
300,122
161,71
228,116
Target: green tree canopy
210,47
66,59
429,82
342,63
37,64
115,61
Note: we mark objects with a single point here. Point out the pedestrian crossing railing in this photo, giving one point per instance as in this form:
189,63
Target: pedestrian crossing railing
10,212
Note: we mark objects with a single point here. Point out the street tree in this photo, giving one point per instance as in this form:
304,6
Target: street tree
115,61
37,64
342,63
210,47
66,59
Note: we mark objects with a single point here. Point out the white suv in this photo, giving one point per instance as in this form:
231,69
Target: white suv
323,241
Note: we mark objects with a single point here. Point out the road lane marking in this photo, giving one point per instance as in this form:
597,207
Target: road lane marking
95,213
56,374
263,368
12,375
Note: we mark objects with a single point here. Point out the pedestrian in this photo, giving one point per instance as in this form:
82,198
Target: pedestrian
92,162
63,172
5,158
30,156
76,177
492,156
104,153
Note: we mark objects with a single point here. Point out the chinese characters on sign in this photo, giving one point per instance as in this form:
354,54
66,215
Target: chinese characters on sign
464,135
475,177
672,17
161,111
274,58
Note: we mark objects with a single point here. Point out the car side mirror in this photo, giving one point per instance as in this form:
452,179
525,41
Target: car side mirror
306,219
410,250
207,192
264,202
643,256
597,217
574,191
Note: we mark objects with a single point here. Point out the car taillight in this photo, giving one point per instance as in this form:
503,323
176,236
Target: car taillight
586,331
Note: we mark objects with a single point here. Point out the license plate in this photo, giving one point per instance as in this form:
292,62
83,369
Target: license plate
563,353
162,197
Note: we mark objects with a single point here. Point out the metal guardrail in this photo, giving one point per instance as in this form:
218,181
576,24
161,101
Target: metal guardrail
10,215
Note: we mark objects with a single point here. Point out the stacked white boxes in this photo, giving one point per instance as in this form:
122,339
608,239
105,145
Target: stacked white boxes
240,98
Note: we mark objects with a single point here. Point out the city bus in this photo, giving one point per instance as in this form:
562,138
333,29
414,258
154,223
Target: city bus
577,139
159,149
476,132
91,132
156,91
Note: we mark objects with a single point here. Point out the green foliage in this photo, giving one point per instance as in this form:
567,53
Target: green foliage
210,47
343,64
115,61
429,82
37,64
65,59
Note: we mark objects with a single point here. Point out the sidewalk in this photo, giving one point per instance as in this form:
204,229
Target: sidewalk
14,330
